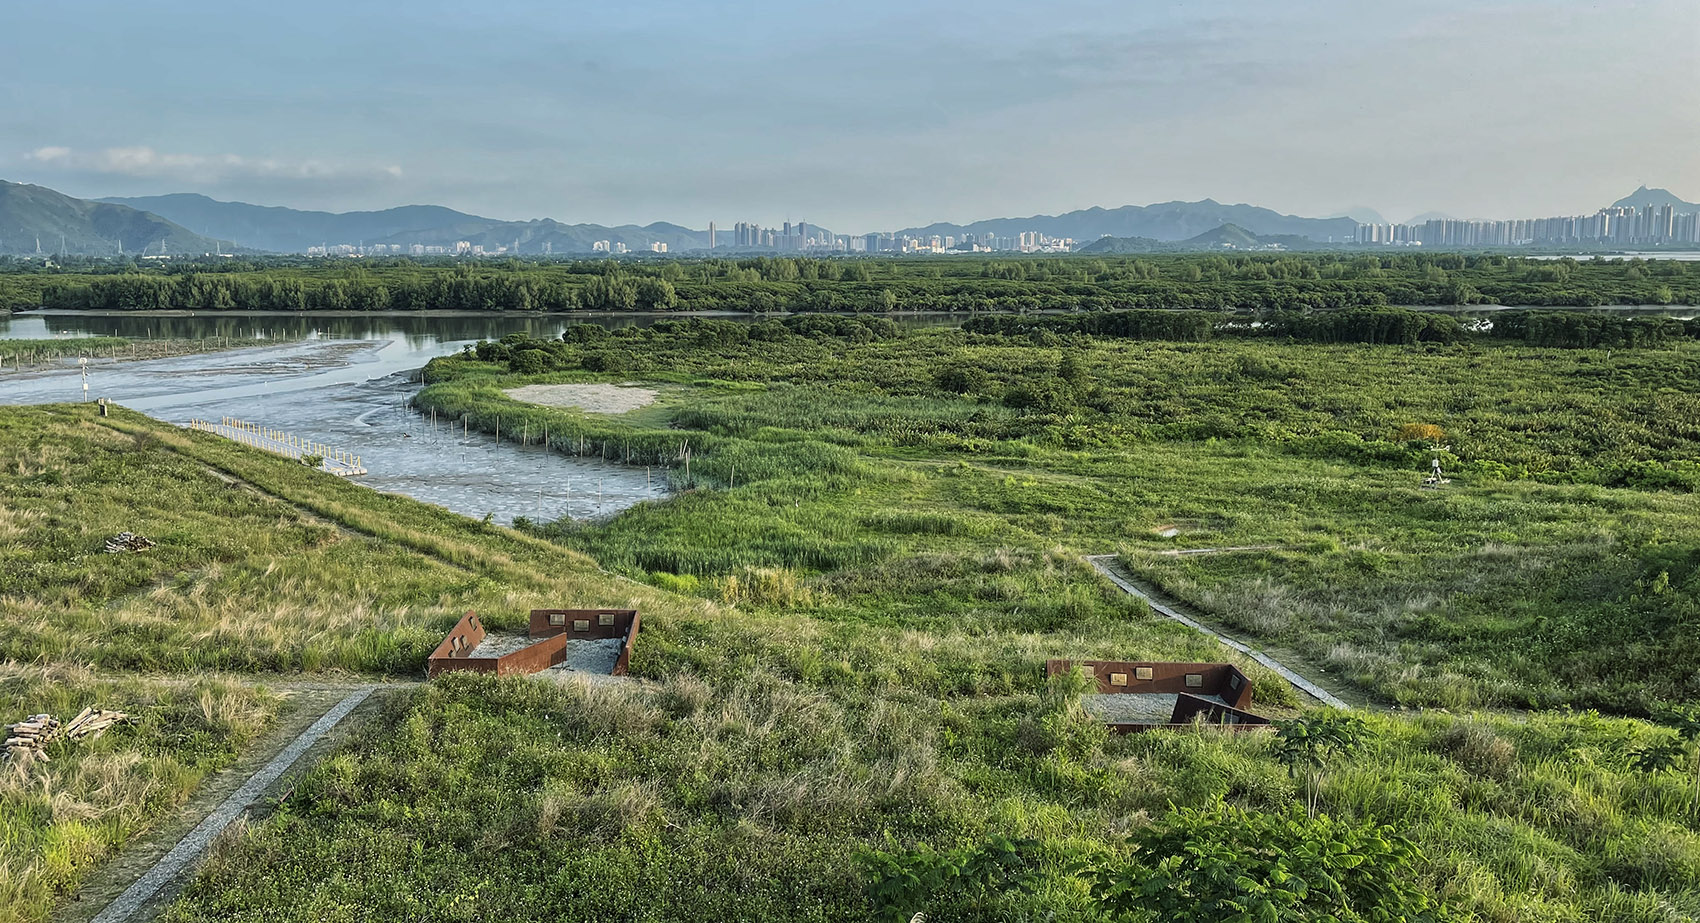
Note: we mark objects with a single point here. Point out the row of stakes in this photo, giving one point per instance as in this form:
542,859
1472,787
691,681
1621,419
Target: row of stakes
336,461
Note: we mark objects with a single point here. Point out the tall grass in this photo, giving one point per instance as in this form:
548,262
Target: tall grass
59,820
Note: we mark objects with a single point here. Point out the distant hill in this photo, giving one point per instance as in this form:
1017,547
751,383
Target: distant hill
29,214
1109,245
1362,214
1167,221
1644,197
1228,235
290,230
1225,237
1430,216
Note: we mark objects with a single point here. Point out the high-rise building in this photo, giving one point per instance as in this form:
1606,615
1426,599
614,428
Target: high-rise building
711,235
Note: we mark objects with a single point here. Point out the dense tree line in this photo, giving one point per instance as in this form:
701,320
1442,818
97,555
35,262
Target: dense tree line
1245,283
1565,329
1582,330
1353,325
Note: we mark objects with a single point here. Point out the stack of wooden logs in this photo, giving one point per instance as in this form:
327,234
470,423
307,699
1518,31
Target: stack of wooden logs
26,741
127,541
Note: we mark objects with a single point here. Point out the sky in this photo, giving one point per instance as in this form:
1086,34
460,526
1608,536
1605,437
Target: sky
857,116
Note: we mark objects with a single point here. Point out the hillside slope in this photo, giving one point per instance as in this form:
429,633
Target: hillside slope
37,219
1643,197
289,230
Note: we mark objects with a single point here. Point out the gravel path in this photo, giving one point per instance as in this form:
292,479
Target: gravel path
598,657
495,645
1102,564
188,851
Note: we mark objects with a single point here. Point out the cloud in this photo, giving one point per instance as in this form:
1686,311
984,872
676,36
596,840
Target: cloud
146,163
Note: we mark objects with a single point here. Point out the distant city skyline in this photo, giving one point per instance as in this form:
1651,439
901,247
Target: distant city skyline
873,116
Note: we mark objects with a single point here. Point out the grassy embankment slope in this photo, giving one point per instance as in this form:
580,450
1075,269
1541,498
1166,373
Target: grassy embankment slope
263,572
883,584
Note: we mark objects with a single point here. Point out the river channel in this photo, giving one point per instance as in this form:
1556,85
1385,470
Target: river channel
346,382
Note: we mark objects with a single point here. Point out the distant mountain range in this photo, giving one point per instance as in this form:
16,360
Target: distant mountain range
187,223
35,219
1169,221
1226,237
289,230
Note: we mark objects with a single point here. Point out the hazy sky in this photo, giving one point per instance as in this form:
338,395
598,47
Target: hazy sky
856,115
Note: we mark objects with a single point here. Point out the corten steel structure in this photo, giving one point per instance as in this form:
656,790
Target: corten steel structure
1216,693
551,631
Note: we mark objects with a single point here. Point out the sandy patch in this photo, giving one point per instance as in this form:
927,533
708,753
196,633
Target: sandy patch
593,398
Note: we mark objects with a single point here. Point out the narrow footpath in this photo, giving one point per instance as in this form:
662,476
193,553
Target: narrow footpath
146,895
1105,564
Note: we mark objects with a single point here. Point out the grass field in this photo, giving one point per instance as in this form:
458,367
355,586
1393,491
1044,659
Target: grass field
845,626
1559,567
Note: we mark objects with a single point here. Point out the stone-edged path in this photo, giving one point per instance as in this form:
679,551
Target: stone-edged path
187,853
1102,564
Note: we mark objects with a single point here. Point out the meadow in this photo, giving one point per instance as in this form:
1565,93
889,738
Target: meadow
838,708
854,465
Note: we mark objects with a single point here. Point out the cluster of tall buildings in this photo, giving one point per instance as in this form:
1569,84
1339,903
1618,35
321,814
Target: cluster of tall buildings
788,237
1024,242
1622,225
603,246
799,236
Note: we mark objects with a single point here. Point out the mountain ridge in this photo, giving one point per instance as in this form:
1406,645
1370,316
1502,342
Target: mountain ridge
38,219
290,230
196,223
1656,197
1163,221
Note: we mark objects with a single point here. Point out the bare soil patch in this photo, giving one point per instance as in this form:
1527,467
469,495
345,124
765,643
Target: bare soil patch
591,397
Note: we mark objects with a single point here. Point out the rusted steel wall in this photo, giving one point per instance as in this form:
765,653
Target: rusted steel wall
625,660
452,653
582,624
549,650
539,656
1127,676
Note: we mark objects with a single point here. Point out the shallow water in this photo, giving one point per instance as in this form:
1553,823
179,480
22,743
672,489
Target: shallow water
353,395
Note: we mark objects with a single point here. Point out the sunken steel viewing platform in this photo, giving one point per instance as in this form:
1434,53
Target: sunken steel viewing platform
1141,695
594,641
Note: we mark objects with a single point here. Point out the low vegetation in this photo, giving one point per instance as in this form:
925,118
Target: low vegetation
862,467
838,708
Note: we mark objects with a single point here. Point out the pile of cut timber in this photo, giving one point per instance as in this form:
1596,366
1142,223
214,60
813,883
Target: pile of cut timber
127,541
26,740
